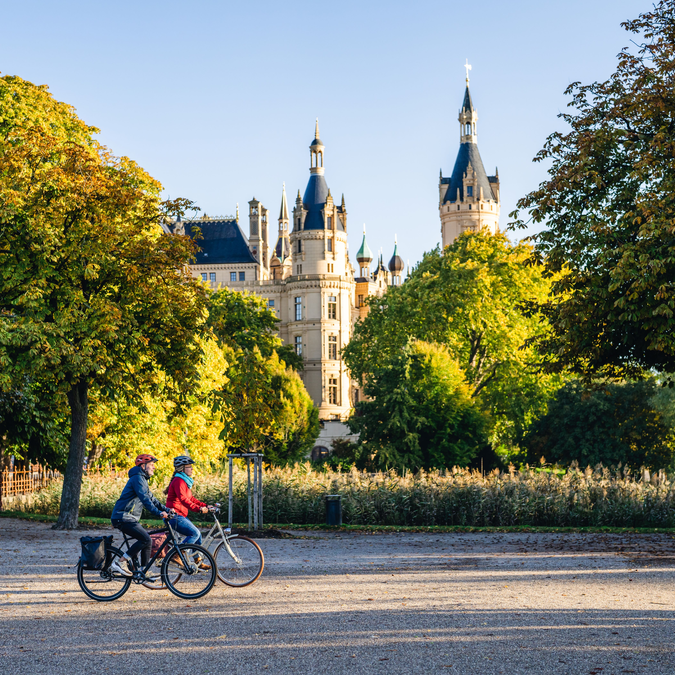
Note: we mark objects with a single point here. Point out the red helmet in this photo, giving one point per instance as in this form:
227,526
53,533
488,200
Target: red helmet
142,459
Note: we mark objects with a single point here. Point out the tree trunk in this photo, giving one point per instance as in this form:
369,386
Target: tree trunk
78,398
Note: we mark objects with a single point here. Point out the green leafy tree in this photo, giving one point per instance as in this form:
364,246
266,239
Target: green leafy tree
93,292
33,426
243,320
421,414
612,425
264,404
468,298
609,212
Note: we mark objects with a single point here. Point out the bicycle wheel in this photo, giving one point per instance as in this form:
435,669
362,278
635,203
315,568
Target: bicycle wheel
196,579
242,564
103,585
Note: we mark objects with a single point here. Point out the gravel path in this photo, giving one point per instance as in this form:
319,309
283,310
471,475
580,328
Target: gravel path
357,603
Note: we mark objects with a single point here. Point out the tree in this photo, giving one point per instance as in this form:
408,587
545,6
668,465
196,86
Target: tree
93,293
264,405
243,320
421,414
120,429
468,298
612,425
33,425
609,210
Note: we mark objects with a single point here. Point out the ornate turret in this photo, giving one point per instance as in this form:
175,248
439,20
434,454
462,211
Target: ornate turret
283,246
365,256
396,266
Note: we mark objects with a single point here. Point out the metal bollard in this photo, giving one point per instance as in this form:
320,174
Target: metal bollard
333,509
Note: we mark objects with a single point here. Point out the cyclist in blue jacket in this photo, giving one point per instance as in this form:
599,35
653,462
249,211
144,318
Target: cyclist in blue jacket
127,513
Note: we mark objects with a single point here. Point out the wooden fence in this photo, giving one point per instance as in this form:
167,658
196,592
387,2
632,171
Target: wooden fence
25,481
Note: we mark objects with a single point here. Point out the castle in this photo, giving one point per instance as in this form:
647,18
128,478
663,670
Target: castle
307,277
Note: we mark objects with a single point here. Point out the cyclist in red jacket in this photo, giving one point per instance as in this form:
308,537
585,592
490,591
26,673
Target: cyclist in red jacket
180,499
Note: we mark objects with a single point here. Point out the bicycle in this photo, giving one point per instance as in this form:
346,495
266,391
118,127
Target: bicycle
193,565
239,560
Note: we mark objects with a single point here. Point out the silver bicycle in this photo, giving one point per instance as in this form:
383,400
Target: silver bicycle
239,560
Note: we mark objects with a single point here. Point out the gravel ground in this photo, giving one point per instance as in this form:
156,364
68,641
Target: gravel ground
357,603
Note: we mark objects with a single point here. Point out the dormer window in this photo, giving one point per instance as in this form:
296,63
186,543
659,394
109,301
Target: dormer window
469,190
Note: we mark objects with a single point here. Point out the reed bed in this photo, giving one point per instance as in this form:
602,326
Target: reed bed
591,498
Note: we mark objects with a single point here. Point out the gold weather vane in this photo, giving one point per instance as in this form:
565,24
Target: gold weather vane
468,68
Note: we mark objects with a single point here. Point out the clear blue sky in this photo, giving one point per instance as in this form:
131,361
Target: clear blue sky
217,100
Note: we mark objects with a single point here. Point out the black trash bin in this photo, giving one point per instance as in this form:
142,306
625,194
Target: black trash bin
333,509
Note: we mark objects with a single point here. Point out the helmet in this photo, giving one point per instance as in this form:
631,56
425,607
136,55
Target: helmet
182,460
142,459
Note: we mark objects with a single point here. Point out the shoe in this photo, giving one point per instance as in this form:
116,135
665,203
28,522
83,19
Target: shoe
152,576
202,565
122,568
177,561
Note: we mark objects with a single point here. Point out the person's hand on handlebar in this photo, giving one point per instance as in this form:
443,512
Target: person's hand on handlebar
204,509
168,514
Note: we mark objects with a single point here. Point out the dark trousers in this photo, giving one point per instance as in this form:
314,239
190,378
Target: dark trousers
143,541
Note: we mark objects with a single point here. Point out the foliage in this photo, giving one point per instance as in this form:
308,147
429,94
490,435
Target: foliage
121,429
93,293
609,210
617,424
296,495
420,413
243,320
468,298
264,405
32,426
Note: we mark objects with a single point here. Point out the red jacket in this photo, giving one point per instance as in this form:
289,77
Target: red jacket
180,498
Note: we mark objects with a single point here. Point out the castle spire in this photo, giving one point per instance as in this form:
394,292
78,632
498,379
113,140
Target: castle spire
316,129
283,213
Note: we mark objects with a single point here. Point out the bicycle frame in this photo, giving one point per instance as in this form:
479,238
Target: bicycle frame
170,540
212,536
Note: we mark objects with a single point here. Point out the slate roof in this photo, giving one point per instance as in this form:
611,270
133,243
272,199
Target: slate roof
468,104
468,153
221,242
314,201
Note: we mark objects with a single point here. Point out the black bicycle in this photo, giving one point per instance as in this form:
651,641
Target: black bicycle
191,565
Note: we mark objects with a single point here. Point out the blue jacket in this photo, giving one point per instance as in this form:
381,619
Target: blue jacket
134,497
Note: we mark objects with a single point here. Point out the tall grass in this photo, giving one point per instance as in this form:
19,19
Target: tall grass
597,497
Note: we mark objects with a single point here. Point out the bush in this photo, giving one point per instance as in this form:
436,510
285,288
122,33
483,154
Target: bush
594,497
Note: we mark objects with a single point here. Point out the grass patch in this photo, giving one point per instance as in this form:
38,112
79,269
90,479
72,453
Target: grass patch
150,523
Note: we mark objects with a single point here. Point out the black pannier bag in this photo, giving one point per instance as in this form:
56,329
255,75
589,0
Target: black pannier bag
93,552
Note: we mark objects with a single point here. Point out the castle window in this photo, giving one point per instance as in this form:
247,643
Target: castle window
299,246
270,303
458,207
332,307
298,345
332,391
204,276
332,347
299,269
298,309
469,207
360,301
242,276
330,267
469,190
233,276
212,277
329,223
330,244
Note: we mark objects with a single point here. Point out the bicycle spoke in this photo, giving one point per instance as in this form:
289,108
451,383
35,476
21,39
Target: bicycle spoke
240,563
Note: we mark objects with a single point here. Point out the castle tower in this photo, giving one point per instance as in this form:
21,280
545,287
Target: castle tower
320,289
364,257
469,198
258,237
396,266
